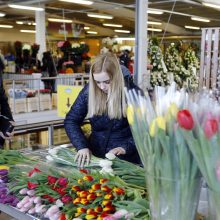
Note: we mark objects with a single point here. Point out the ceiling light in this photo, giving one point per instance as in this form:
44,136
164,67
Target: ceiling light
19,22
91,32
25,7
113,25
122,31
5,26
192,27
156,12
28,31
82,2
154,29
60,20
2,14
154,23
92,15
200,19
86,28
211,5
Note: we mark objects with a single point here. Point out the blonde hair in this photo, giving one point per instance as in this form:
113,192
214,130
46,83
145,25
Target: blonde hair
113,104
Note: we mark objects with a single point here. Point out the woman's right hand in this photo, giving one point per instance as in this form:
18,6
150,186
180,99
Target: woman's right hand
83,156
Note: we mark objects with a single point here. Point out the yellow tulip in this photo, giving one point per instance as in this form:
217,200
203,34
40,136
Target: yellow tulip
130,114
173,109
158,122
3,167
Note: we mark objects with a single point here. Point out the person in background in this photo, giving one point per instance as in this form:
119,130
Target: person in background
5,111
103,101
49,69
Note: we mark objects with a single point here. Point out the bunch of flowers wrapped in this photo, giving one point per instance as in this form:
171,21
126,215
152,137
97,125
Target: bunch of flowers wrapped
172,174
182,76
159,75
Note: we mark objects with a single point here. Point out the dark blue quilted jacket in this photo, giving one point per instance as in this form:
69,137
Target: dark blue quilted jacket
120,135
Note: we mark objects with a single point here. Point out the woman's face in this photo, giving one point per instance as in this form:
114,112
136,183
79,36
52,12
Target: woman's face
102,80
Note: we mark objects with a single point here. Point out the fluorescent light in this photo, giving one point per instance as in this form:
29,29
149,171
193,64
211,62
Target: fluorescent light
28,31
91,32
5,26
200,19
211,5
26,7
82,2
125,38
86,28
112,25
19,22
92,15
60,20
154,29
2,14
154,23
156,12
192,27
122,31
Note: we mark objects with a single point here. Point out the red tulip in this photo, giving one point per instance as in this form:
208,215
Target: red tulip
35,170
210,128
51,179
66,199
62,181
49,198
119,191
88,178
84,171
32,185
61,191
185,119
96,186
62,216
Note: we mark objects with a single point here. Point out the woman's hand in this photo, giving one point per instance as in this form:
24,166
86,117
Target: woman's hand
118,151
9,134
83,156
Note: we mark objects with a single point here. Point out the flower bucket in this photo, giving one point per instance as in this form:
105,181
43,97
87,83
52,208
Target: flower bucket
214,204
173,199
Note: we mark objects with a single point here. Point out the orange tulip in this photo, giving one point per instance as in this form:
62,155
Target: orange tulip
88,217
82,194
89,211
96,186
88,178
103,180
119,191
99,194
80,181
108,196
91,191
98,208
109,208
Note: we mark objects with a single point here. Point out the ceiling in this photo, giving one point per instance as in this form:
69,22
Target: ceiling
123,12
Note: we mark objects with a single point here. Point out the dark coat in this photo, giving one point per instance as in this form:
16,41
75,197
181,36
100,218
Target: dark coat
120,135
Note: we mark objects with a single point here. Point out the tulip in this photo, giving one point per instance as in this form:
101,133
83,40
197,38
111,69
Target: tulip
81,210
172,110
98,209
88,178
218,172
120,214
62,216
185,119
61,191
23,191
62,181
88,217
106,202
103,180
119,191
35,170
91,196
210,128
76,188
76,201
80,181
110,217
31,185
158,122
96,186
130,114
108,196
91,191
66,199
82,194
84,171
105,163
109,208
99,194
51,179
89,211
106,189
110,156
84,201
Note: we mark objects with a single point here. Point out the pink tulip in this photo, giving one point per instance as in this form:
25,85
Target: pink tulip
110,217
120,214
218,172
210,128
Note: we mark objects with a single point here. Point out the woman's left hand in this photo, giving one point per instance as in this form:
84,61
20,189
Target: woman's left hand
118,151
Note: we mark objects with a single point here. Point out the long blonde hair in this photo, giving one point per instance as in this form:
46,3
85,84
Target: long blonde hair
113,104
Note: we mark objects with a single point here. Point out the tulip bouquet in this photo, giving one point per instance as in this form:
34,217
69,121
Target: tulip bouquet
172,175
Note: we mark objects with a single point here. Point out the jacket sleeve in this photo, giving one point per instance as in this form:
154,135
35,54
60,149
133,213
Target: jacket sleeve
5,109
130,147
74,119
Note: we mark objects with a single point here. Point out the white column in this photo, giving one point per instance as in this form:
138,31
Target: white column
40,37
141,42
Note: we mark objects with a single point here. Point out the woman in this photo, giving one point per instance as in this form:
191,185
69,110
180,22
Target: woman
5,111
103,102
